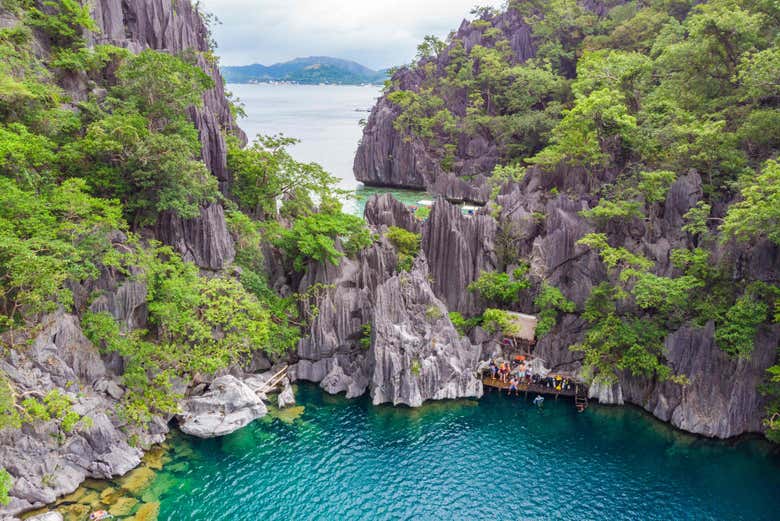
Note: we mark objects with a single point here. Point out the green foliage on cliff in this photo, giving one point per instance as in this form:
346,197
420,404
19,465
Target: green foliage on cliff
501,288
5,486
406,243
47,239
758,213
550,302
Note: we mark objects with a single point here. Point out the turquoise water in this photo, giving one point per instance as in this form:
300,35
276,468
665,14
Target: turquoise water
498,458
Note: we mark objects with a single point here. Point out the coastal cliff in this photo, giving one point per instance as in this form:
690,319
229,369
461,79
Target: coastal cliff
501,114
44,461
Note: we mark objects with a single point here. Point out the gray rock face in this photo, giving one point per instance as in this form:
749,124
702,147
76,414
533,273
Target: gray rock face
458,249
286,398
61,358
416,354
204,240
722,399
48,516
386,210
411,359
227,406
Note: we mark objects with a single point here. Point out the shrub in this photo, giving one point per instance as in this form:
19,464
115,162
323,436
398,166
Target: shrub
500,288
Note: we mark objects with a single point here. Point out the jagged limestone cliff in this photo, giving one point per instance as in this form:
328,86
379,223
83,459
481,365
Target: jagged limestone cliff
43,464
491,95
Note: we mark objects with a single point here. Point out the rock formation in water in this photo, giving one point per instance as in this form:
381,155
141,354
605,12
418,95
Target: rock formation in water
228,405
384,332
538,220
387,157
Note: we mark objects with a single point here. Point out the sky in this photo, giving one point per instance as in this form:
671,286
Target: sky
376,33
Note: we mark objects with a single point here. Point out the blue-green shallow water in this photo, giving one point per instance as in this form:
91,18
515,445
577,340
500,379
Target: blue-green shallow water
498,458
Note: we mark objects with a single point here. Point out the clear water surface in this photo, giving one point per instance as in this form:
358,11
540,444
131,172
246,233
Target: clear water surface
497,458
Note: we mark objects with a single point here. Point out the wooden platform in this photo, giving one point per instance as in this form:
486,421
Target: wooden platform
495,383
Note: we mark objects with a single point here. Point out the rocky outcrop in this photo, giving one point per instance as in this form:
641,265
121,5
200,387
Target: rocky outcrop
413,353
228,405
416,355
387,157
722,399
204,240
458,249
386,210
176,27
45,462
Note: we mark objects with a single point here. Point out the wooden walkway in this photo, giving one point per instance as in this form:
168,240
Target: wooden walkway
578,391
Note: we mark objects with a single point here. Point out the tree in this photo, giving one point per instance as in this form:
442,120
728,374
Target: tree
162,86
501,288
758,214
48,240
550,302
406,243
64,21
431,47
266,173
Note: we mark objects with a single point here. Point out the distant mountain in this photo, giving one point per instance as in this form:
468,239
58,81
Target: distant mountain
311,70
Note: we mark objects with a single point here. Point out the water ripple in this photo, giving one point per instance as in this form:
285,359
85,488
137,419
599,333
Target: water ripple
500,458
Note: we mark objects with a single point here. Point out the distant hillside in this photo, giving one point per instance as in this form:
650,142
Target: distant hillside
311,70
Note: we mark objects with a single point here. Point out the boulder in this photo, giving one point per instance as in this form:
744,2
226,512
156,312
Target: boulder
227,406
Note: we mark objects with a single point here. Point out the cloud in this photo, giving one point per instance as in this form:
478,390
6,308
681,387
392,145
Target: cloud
375,33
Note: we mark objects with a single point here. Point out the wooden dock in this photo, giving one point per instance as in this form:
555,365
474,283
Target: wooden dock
578,391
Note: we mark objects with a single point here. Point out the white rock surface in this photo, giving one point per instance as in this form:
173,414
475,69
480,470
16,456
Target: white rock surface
227,406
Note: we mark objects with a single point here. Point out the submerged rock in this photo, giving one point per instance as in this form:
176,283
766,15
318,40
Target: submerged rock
227,406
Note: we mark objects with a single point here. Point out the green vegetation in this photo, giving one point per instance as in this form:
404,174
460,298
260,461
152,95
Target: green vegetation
758,213
80,181
501,288
550,302
499,321
406,243
5,486
365,337
266,173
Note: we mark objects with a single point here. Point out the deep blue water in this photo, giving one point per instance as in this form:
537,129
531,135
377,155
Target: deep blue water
498,458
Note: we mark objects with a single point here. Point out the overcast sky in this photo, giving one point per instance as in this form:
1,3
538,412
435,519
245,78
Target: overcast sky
376,33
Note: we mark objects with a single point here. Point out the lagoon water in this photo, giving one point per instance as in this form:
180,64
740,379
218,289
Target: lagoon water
497,458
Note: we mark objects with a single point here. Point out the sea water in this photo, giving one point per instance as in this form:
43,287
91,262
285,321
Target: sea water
327,121
497,458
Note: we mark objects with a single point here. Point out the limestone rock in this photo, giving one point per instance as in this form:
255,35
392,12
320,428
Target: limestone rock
286,398
48,516
203,240
227,406
458,249
417,355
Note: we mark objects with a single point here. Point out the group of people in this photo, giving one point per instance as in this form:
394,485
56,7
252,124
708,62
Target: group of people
519,373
